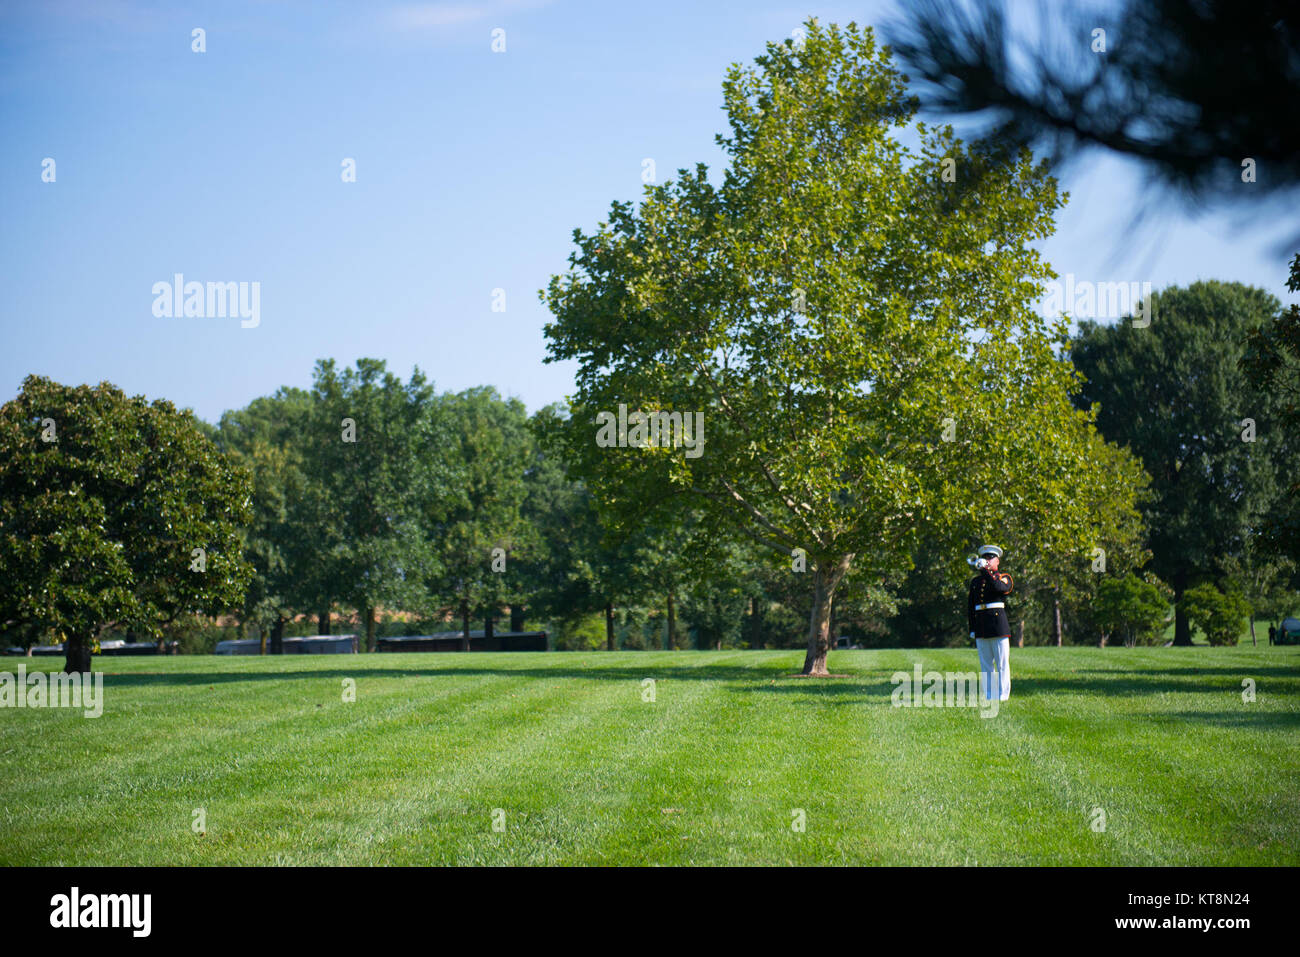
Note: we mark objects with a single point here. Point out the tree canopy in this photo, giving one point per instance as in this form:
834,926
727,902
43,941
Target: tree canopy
1209,437
850,318
113,511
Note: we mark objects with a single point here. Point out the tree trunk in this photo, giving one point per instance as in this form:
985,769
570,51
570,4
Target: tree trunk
488,631
323,623
77,653
609,626
464,618
1182,627
1252,630
825,581
370,629
1020,633
277,637
1056,618
671,638
755,624
516,617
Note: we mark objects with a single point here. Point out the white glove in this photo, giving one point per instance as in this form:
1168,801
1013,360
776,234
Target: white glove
981,563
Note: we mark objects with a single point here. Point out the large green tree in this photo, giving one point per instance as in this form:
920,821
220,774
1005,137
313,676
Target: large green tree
1171,392
589,561
1272,360
557,574
270,437
378,453
114,511
480,535
852,318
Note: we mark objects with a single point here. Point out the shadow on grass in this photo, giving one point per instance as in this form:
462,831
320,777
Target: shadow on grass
660,673
1141,683
1243,671
871,688
863,687
1252,720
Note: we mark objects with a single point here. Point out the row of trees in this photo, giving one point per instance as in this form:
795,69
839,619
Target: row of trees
367,493
372,493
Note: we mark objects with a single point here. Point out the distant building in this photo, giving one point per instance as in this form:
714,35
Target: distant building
309,645
478,641
117,646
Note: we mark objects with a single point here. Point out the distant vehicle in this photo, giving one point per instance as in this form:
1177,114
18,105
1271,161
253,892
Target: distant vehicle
1289,633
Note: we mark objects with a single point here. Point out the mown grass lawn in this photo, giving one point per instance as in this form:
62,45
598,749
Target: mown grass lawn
713,771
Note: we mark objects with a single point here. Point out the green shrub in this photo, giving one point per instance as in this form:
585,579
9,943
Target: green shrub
1217,613
582,634
1130,608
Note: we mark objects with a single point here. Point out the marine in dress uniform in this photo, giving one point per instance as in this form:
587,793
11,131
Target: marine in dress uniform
987,617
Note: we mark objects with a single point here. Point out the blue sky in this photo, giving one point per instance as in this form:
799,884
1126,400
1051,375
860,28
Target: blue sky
473,169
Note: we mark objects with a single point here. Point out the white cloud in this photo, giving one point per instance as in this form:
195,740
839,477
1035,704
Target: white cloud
423,15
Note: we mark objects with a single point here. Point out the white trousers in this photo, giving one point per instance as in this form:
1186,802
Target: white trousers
995,653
